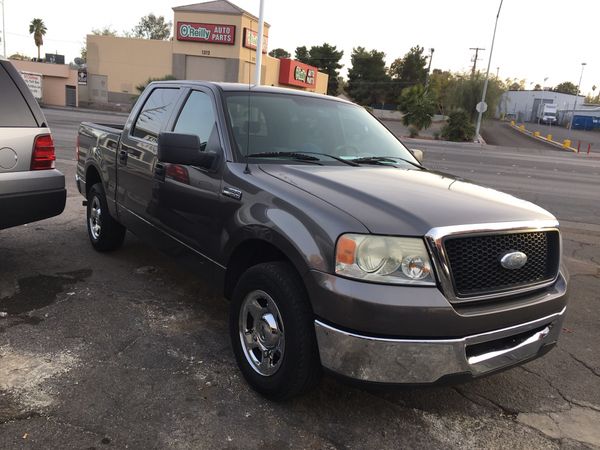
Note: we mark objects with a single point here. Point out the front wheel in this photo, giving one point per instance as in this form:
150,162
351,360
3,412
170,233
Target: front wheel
105,233
272,331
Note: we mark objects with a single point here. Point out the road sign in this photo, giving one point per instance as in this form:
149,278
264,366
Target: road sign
481,107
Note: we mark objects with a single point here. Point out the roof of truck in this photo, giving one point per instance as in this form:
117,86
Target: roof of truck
242,87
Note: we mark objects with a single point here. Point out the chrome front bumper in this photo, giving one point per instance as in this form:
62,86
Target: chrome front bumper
417,361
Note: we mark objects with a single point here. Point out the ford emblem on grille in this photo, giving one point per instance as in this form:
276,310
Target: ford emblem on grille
513,260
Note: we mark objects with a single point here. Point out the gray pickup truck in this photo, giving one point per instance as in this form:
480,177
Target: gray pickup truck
336,248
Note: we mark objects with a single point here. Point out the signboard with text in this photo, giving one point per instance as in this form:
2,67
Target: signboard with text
251,40
298,74
34,83
211,33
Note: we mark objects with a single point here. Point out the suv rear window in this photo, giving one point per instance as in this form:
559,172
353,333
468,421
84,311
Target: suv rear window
14,111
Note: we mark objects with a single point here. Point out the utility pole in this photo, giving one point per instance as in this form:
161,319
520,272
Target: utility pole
3,30
485,83
431,50
475,59
497,71
259,43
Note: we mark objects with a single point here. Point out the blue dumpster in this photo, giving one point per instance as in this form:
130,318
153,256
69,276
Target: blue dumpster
583,123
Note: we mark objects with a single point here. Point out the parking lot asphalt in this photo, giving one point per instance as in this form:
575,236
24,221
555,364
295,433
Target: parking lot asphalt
130,350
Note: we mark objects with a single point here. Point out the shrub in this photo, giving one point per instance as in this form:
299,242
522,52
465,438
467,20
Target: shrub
413,131
459,127
418,107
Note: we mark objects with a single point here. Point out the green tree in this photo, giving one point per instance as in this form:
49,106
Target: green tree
279,53
566,87
302,54
411,69
459,127
326,58
105,31
465,92
152,27
38,29
368,81
418,107
440,86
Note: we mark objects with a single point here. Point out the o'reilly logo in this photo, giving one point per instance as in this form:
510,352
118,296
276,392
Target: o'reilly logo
186,30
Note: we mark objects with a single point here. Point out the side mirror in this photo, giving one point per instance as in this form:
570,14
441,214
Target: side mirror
185,150
418,154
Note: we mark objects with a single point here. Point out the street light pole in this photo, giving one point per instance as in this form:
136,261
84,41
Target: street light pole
259,43
577,94
487,74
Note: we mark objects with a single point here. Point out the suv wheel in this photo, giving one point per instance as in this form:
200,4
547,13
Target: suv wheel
105,233
272,331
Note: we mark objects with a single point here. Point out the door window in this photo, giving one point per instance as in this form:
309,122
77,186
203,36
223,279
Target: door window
197,117
155,114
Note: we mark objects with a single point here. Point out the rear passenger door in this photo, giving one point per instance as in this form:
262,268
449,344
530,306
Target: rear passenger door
188,204
137,155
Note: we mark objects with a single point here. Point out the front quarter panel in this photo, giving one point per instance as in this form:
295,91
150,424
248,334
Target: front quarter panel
302,226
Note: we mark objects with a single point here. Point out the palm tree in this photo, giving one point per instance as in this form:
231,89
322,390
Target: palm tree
38,29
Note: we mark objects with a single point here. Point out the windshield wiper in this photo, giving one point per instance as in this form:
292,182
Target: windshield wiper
303,156
382,160
294,155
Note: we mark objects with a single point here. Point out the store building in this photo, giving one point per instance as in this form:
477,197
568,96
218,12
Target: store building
51,84
214,41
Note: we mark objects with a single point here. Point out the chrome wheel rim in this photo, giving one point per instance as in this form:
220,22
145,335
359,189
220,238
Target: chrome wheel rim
261,333
95,218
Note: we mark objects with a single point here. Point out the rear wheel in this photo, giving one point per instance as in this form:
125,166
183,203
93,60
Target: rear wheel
272,331
105,233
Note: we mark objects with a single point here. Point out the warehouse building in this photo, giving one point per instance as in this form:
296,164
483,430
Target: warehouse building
214,41
523,106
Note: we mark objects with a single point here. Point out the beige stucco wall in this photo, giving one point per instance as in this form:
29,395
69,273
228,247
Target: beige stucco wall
128,62
55,78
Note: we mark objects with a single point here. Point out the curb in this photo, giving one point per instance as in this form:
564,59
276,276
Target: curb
560,145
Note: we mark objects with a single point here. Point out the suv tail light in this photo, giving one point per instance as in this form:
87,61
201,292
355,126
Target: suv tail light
43,156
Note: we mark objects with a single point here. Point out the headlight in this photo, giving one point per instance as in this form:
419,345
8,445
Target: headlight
383,259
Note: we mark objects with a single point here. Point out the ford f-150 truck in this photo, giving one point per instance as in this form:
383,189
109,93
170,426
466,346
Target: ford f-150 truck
336,247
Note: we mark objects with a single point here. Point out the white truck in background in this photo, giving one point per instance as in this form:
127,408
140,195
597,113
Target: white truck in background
548,114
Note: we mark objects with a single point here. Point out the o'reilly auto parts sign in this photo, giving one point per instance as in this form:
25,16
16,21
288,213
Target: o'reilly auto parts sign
34,83
211,33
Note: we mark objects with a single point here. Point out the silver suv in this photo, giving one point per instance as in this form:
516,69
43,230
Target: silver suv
30,187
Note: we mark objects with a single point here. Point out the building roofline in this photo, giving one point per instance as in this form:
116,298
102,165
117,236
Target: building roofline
239,11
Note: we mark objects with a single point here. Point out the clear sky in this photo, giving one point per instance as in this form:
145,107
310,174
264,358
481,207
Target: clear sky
536,39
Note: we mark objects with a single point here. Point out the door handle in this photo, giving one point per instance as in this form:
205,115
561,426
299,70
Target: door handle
123,156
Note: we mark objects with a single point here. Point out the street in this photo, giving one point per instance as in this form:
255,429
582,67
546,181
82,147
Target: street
130,350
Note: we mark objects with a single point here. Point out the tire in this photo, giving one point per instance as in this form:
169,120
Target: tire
105,233
294,366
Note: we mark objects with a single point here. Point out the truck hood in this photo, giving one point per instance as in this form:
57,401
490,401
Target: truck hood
398,201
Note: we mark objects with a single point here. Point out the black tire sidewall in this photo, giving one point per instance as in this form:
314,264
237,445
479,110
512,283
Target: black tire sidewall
96,191
300,360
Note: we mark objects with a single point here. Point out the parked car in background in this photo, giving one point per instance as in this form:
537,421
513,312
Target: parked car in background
31,188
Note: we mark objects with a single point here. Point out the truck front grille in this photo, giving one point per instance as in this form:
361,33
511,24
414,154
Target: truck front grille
475,268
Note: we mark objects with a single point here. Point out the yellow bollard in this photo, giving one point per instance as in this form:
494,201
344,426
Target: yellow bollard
512,123
536,134
522,127
567,143
549,137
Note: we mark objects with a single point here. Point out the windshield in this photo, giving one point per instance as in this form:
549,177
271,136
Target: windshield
266,123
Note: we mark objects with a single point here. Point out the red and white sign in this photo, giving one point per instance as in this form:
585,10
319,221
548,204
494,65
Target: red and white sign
34,83
251,40
212,33
295,73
